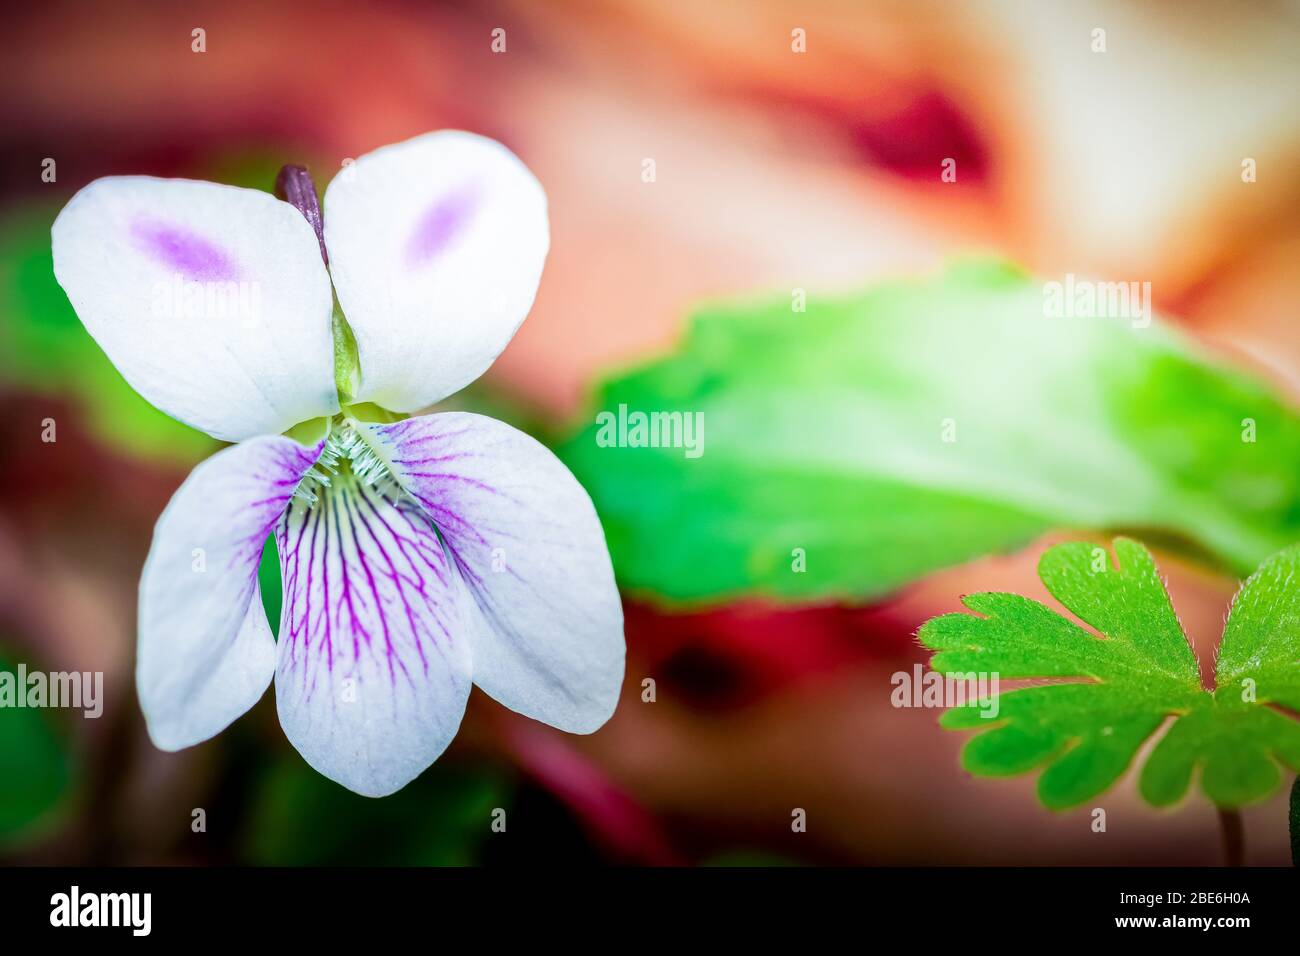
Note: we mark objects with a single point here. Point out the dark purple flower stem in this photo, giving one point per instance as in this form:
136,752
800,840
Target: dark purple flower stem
295,187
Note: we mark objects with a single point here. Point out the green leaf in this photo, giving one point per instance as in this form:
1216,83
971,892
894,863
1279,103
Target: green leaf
1138,675
36,769
826,431
271,584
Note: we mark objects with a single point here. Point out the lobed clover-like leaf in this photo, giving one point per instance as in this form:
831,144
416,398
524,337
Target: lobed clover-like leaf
1115,689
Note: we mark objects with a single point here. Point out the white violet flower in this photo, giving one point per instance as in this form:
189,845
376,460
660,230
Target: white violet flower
417,554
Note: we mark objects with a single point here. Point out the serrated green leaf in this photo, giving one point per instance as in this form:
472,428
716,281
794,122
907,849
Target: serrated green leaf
1139,674
827,431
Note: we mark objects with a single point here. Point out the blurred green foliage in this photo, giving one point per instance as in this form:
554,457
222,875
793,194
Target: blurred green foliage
749,859
440,819
923,424
36,768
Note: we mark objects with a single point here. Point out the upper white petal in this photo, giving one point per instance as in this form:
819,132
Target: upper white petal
436,248
211,300
206,653
529,546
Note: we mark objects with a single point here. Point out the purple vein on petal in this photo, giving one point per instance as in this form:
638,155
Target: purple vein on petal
440,225
378,592
183,251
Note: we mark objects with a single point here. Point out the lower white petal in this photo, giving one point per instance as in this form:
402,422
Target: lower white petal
374,665
525,537
206,653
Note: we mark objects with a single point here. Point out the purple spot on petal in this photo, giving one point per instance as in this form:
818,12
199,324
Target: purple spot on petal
183,251
440,225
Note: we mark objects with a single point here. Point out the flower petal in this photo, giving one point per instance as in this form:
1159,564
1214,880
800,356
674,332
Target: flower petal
206,653
530,548
374,662
436,247
212,301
